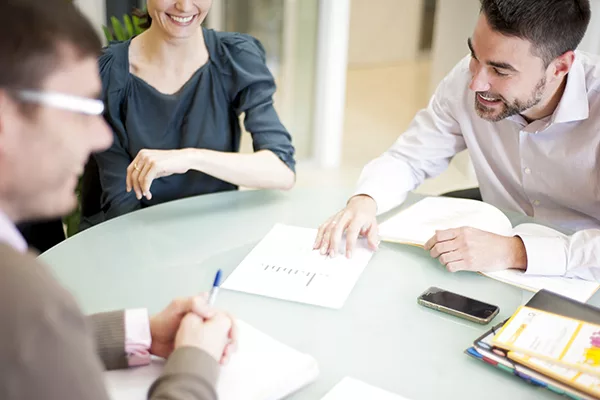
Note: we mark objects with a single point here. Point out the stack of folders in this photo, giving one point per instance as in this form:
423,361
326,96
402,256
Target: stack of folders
552,342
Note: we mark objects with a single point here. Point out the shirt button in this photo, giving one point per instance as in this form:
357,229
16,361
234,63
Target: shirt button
527,171
536,203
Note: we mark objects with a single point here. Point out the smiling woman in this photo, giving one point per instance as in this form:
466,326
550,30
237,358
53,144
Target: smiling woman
174,95
169,13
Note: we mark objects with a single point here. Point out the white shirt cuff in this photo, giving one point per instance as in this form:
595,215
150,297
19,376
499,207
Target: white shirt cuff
545,248
381,197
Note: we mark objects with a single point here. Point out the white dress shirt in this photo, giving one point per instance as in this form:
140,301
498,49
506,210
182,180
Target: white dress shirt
547,169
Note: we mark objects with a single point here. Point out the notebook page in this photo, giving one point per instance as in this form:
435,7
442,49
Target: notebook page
418,223
261,369
285,266
574,288
353,389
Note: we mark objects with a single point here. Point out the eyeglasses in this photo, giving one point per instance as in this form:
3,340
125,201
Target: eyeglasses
83,105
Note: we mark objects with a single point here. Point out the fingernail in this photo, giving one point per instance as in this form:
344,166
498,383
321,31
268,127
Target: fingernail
349,254
323,251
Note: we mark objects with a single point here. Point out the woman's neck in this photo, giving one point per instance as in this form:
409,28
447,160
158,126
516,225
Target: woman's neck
171,53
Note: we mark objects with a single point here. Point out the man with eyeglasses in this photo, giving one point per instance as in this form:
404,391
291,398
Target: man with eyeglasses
50,122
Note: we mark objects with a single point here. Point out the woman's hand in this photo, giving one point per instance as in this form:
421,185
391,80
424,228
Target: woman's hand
149,165
260,170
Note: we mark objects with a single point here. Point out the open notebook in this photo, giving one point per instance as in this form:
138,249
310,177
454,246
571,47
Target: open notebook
261,369
417,224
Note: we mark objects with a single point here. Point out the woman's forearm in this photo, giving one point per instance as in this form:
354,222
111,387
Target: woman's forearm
259,170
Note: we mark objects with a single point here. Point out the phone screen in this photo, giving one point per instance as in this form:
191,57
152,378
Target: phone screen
460,303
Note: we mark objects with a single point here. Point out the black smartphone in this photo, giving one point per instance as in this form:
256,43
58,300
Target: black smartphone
457,305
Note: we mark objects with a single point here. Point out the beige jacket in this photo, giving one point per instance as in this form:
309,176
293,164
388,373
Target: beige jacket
49,350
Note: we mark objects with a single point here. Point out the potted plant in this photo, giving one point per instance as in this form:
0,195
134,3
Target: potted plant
123,30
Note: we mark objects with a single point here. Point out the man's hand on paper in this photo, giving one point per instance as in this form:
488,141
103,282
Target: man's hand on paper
168,324
470,249
356,219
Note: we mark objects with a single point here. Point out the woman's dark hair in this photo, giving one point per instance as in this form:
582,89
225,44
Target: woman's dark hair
552,26
145,19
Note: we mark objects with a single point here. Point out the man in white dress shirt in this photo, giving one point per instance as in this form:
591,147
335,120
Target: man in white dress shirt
527,106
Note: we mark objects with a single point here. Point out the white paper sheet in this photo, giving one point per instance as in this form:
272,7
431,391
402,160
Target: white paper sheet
352,389
574,288
261,369
418,223
285,266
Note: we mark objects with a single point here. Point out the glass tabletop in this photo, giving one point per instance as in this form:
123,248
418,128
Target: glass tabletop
381,335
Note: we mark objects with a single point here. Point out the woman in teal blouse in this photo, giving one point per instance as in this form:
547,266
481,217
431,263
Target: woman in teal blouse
174,95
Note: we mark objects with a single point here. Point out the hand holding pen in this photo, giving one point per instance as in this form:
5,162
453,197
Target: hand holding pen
215,334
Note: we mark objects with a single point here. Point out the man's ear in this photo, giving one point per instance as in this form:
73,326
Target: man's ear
562,64
3,112
7,111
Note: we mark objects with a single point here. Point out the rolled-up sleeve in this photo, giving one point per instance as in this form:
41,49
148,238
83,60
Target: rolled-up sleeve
252,89
553,253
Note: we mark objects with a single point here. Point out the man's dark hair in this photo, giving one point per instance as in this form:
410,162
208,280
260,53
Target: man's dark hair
552,26
32,33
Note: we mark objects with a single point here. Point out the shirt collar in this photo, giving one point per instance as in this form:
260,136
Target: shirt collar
10,235
573,105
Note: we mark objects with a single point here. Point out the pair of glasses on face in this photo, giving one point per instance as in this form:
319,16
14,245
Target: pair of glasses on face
68,102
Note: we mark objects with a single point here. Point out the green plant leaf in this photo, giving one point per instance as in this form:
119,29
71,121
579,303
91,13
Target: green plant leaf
129,26
136,25
118,29
108,34
71,221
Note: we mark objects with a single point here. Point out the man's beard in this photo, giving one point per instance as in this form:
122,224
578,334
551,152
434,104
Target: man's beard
509,109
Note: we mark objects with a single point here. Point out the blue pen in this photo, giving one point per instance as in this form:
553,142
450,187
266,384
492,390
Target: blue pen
215,288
